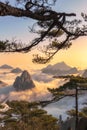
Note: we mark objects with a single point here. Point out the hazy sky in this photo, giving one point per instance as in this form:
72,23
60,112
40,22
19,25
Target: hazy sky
17,28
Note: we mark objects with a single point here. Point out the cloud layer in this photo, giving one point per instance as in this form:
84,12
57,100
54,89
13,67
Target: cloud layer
40,92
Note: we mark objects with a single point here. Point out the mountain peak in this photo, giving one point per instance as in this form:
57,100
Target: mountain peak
25,74
59,69
16,70
61,66
23,82
5,66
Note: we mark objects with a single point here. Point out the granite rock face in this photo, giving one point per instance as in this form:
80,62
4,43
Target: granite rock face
23,82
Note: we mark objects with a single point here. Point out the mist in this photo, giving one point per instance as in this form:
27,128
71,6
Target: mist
40,92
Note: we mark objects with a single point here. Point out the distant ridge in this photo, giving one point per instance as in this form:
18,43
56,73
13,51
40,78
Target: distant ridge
61,66
60,69
5,66
16,70
85,74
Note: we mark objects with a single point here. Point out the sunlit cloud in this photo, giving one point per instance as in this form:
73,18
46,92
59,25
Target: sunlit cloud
40,92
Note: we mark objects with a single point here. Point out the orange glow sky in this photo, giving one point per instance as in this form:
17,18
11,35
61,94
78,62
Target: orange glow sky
74,56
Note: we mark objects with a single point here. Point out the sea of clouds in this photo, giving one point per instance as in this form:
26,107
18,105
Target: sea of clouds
40,92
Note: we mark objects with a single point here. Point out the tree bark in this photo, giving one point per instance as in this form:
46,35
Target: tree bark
8,10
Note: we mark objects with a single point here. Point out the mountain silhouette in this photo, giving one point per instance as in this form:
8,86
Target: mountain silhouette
16,70
59,69
23,82
5,66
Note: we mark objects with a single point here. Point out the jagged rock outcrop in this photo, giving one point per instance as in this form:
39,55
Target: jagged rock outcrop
16,70
23,82
61,66
85,74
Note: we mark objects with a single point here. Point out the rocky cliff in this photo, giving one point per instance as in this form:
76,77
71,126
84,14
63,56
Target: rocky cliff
23,82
